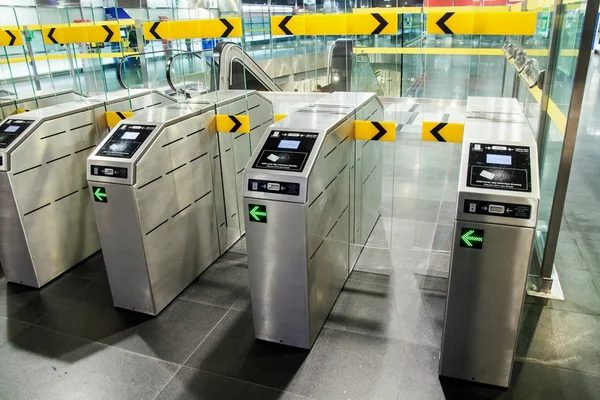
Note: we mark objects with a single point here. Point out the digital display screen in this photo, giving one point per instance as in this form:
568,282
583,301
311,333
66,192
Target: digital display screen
11,128
289,144
130,135
498,159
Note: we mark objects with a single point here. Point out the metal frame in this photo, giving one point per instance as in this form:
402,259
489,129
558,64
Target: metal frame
566,159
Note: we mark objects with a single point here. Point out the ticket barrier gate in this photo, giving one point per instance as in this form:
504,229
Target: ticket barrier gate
10,106
304,214
46,220
167,190
494,227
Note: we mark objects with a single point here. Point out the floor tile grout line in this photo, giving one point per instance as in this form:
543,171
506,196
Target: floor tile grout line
526,360
201,302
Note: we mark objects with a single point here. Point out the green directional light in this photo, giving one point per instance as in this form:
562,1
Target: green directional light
99,194
257,213
471,238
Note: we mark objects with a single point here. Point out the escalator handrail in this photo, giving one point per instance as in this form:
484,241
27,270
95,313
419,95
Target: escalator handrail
223,49
197,54
119,74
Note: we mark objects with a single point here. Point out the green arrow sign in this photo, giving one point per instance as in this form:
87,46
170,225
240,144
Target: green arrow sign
100,194
257,213
471,238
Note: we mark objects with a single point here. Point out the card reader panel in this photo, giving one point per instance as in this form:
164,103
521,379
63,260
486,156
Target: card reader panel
288,188
11,129
497,166
286,151
125,141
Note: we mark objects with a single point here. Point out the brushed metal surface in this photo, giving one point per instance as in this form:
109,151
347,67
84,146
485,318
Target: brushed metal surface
299,260
484,302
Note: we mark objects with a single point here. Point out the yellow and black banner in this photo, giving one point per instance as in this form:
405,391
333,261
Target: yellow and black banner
114,117
279,117
375,130
81,33
481,23
233,123
21,110
11,37
443,132
193,29
335,24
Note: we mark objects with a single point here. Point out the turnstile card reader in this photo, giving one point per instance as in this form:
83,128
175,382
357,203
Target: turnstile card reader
300,210
493,239
166,197
46,219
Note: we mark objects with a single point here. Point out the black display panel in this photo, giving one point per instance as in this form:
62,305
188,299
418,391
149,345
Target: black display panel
498,209
289,188
497,166
112,172
11,129
125,141
286,151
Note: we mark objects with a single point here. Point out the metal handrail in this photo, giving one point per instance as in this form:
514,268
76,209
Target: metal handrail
197,54
123,60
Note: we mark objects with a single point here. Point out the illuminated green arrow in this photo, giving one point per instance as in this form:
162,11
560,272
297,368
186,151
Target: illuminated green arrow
100,194
468,237
257,214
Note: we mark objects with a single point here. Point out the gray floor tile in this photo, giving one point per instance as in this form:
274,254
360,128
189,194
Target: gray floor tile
387,261
28,304
447,212
442,239
416,209
591,252
221,284
43,364
10,328
569,255
192,384
173,335
244,303
581,294
560,339
371,277
412,234
239,247
92,268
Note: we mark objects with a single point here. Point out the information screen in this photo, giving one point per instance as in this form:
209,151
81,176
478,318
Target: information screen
130,135
11,128
289,144
498,159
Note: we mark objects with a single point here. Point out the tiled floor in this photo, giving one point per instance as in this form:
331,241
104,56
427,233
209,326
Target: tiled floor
381,340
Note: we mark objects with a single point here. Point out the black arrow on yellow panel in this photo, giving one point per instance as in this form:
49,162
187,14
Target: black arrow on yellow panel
13,38
382,23
120,114
228,27
283,23
153,29
110,33
236,123
50,33
441,23
380,130
436,131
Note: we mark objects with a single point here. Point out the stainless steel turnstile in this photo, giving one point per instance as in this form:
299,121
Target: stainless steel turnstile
46,220
302,207
42,99
167,193
496,215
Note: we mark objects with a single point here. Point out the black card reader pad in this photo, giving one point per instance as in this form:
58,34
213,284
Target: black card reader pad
11,129
286,151
498,166
124,142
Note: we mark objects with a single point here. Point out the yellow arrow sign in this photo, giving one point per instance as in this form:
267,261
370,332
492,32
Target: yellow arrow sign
114,117
374,130
442,132
193,28
11,37
279,117
81,33
481,23
336,24
233,123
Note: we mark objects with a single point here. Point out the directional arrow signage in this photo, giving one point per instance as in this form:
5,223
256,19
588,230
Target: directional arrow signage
336,24
100,194
257,213
114,117
193,29
81,33
11,37
442,132
233,123
481,23
471,238
375,130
